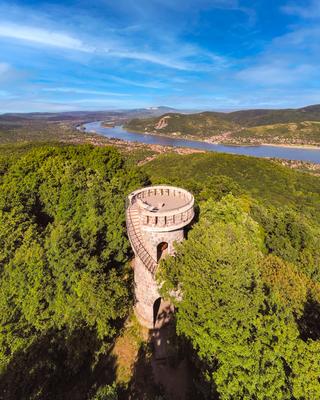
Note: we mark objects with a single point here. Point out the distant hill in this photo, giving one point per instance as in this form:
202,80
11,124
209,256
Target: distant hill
204,124
267,117
246,118
86,115
256,117
61,126
285,126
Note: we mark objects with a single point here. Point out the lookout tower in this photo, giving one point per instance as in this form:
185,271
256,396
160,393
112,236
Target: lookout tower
156,217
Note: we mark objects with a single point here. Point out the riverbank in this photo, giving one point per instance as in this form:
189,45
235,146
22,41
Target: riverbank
293,146
300,153
226,143
222,141
142,153
283,145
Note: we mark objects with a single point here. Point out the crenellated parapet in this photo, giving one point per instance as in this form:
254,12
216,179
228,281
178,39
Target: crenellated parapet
163,208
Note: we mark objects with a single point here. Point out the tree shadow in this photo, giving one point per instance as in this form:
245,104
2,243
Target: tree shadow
142,385
309,323
58,365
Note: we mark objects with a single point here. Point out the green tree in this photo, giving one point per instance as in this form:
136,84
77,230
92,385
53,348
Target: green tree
292,237
64,254
108,392
236,320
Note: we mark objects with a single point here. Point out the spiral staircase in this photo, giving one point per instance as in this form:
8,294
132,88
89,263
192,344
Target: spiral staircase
136,240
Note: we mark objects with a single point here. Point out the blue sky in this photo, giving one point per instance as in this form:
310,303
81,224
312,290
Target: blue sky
189,54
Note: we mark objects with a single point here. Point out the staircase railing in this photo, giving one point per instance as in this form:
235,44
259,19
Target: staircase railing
138,245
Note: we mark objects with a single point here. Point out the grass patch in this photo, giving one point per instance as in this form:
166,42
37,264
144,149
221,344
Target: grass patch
126,349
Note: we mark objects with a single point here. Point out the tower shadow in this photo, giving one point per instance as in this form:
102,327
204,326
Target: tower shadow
169,363
162,367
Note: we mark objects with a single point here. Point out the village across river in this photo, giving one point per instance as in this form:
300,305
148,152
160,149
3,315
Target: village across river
289,153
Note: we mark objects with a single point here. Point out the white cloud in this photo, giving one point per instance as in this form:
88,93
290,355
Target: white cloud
84,91
66,41
40,105
288,59
274,74
176,56
159,59
148,85
32,106
4,68
8,74
311,10
42,36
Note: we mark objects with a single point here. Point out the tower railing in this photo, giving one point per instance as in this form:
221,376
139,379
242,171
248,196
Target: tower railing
155,219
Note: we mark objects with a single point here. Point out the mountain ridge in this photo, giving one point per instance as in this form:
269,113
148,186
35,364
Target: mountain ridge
257,126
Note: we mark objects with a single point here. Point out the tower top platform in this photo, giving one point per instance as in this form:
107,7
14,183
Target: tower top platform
162,207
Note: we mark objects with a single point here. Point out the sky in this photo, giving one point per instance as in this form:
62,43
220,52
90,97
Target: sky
187,54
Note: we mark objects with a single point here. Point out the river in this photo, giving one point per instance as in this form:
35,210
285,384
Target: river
290,153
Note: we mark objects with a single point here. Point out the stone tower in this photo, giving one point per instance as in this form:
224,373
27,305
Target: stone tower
156,217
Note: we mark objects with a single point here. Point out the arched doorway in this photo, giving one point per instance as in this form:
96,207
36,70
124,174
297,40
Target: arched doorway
162,250
156,308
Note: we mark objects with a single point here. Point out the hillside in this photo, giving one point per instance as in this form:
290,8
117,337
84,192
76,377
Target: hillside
261,179
267,117
85,115
292,133
61,126
202,125
293,127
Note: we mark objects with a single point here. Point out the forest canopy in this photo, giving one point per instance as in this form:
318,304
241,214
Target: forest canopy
64,252
247,312
248,275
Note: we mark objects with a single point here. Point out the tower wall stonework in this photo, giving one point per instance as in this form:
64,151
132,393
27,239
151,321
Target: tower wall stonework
146,287
146,293
155,216
153,239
